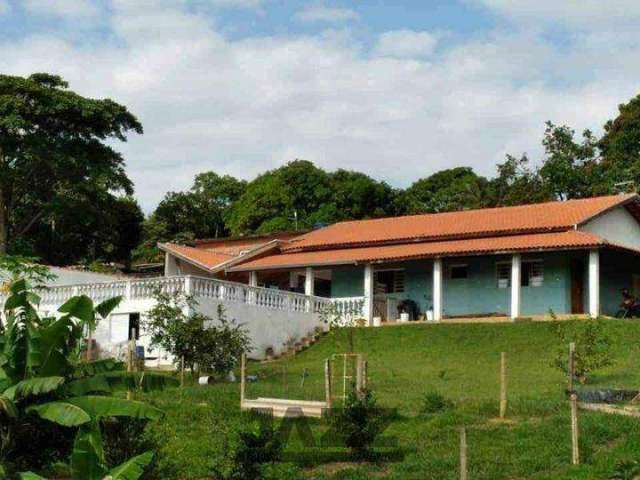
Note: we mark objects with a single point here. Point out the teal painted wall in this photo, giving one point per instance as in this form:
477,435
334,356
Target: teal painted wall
477,294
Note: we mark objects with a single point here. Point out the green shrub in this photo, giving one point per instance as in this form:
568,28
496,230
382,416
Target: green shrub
213,346
434,402
359,422
626,470
593,347
256,445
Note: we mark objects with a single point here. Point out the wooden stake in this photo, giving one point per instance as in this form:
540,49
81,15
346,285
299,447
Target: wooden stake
359,388
89,346
503,385
182,372
327,382
130,363
575,448
571,367
243,367
463,454
365,374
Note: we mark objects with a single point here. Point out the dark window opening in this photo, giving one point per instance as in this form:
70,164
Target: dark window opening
457,272
134,325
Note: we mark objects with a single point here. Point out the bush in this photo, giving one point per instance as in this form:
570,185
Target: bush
593,347
626,470
359,422
256,445
434,402
211,346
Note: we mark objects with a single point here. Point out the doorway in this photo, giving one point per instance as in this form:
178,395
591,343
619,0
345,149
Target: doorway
577,286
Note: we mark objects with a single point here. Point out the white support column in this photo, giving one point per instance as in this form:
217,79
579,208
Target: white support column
367,307
437,289
516,273
309,282
594,283
253,282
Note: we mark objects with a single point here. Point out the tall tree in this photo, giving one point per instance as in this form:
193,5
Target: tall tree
295,196
517,184
457,188
620,145
570,169
356,196
52,145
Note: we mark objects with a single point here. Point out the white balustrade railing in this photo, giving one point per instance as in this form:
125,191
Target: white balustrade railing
348,310
198,287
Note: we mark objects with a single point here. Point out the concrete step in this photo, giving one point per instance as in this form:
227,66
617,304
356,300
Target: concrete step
287,408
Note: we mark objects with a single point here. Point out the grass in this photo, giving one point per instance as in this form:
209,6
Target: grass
460,362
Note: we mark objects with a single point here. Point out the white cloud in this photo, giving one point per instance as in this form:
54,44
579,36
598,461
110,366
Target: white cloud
319,13
582,13
62,8
242,106
406,43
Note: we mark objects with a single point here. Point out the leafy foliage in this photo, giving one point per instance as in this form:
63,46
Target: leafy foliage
42,378
58,173
211,345
359,422
593,346
434,402
626,470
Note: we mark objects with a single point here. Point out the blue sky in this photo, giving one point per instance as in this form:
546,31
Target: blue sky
397,89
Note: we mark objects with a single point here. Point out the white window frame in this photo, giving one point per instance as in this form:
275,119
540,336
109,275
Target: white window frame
506,282
404,280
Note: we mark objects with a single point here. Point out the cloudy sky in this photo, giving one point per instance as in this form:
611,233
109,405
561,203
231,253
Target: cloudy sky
395,88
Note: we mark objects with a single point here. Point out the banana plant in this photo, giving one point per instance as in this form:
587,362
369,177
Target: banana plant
41,373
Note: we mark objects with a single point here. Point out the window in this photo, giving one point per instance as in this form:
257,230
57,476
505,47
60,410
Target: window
458,271
389,281
503,272
532,274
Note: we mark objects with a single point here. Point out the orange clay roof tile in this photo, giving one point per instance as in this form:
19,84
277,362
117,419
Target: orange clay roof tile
572,239
535,218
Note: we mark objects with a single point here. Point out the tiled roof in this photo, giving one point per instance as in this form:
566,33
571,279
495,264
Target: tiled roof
535,218
238,245
572,239
205,258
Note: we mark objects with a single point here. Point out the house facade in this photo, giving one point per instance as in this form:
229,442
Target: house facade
549,260
541,260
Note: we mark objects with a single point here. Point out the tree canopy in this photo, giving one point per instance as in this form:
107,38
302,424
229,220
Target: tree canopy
57,170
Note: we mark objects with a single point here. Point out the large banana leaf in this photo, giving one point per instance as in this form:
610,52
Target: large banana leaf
132,469
118,381
105,308
56,343
33,387
87,457
8,408
62,413
80,307
99,407
29,476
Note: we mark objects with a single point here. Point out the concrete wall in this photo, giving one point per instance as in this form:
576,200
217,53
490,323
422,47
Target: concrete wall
174,266
267,327
618,226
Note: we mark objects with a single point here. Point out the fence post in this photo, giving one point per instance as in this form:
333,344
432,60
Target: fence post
575,448
571,367
327,382
130,360
365,374
503,385
463,454
359,388
243,366
182,372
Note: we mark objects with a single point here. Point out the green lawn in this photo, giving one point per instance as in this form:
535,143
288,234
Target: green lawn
459,361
